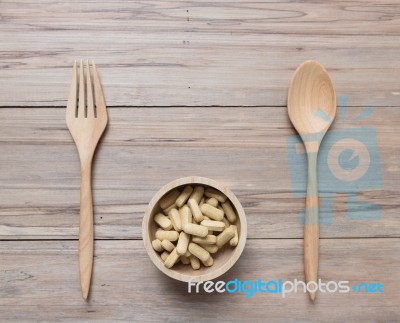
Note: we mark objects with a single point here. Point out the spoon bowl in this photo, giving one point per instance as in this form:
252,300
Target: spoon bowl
311,99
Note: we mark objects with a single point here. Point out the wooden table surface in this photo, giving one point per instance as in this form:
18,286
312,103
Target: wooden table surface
193,88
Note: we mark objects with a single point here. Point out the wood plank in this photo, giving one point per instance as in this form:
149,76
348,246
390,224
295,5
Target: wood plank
145,148
191,53
40,282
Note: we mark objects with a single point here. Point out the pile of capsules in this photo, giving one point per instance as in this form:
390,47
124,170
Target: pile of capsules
195,223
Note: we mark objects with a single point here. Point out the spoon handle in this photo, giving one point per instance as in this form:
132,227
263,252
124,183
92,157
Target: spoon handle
311,225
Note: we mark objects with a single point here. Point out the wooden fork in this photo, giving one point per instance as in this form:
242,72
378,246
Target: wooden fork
86,119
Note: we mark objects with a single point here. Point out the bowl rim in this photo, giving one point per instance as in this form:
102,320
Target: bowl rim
210,274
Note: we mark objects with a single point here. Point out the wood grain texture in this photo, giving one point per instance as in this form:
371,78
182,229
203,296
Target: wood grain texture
127,286
194,53
145,148
175,74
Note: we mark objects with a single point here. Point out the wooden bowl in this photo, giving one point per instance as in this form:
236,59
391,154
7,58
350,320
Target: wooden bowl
224,259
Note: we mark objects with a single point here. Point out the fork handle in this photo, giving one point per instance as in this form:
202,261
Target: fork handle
86,230
311,224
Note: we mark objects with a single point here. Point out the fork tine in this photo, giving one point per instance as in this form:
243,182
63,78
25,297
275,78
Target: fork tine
71,105
98,94
91,113
82,103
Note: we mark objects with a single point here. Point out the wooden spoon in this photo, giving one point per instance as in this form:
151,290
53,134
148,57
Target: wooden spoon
312,108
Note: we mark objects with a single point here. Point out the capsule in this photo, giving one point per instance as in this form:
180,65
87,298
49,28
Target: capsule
212,212
209,239
198,251
195,229
214,225
209,262
167,235
196,212
173,206
168,199
194,262
234,241
225,236
172,259
156,244
211,192
164,255
212,201
163,221
183,243
184,196
175,218
186,215
197,194
210,248
230,213
167,245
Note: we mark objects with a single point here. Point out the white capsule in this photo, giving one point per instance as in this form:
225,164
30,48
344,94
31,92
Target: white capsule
173,206
212,201
211,192
186,215
229,212
194,262
198,251
156,244
225,236
167,235
234,241
210,248
197,194
164,255
209,239
184,196
163,221
212,212
175,218
172,259
183,243
195,229
209,262
194,207
168,199
214,225
167,245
